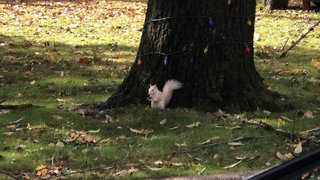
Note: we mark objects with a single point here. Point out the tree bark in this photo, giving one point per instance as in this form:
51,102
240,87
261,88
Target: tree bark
275,4
208,46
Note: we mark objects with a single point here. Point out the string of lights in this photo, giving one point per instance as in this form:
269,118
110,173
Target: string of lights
210,20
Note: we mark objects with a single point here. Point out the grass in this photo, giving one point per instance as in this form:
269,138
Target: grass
58,56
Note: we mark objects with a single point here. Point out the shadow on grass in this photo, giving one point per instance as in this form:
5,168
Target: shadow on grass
41,71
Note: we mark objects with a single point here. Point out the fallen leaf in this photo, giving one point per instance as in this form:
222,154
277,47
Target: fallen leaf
159,162
308,114
29,127
298,149
235,144
193,125
240,157
106,140
232,165
215,137
141,131
56,117
235,127
122,137
41,170
216,156
154,168
205,142
180,145
20,147
173,128
133,170
164,121
284,157
177,164
94,131
315,63
59,144
8,133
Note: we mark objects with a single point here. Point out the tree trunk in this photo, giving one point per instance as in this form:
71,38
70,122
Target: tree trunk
208,46
276,4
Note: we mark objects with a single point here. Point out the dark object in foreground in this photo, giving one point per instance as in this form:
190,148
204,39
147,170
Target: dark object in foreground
294,168
300,38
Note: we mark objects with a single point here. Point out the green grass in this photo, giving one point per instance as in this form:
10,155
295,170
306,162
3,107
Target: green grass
58,57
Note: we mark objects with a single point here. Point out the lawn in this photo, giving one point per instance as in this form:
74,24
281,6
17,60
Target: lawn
57,56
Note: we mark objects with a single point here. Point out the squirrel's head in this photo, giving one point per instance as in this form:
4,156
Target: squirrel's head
152,89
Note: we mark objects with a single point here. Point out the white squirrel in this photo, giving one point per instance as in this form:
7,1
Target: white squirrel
161,99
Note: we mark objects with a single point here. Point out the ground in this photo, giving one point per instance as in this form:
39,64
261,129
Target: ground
57,56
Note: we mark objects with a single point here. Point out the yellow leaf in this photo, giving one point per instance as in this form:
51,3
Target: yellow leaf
315,63
295,70
42,170
141,131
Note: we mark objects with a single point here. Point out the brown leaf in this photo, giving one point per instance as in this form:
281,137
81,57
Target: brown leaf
308,114
284,157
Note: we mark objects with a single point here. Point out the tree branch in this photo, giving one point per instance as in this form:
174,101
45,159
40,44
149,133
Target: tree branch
292,135
242,138
14,107
8,174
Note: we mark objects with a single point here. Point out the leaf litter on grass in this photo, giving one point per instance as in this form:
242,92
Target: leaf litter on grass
58,41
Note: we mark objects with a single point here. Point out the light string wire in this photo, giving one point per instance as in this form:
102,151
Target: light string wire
206,45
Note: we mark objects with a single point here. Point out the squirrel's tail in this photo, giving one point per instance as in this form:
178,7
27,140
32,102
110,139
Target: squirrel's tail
168,88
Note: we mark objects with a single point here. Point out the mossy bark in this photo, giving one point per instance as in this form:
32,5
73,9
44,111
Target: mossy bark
214,60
